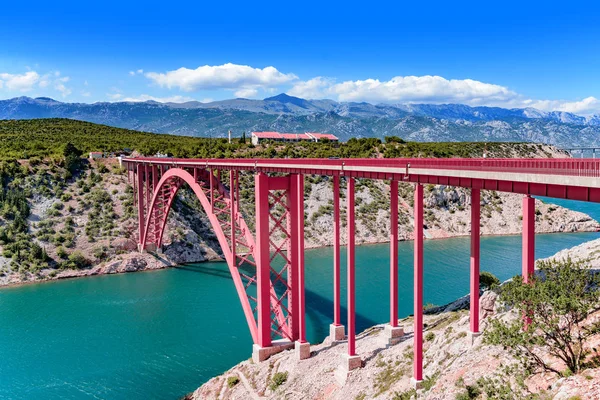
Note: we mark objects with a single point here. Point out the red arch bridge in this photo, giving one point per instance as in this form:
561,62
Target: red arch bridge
272,293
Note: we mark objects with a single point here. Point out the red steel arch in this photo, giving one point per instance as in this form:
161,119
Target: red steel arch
234,236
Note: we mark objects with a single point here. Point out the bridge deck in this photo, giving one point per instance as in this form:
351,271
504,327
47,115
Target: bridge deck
577,179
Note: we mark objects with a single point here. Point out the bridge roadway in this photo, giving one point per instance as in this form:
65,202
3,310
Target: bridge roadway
273,297
575,179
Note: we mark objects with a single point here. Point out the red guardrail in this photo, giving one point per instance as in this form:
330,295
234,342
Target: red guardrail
549,166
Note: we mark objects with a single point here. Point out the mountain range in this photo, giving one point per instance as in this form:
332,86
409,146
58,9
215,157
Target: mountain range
284,113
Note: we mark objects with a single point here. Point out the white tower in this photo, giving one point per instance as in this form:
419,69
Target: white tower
229,136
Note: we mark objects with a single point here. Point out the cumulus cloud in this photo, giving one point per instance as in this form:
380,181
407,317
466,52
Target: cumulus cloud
226,76
246,93
20,82
589,105
146,97
434,90
405,89
32,80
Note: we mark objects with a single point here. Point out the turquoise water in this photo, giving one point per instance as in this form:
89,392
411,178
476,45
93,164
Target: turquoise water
161,334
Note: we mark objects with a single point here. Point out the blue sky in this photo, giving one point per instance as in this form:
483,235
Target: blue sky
510,54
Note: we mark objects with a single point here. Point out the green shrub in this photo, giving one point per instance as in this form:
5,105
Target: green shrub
232,381
488,280
278,379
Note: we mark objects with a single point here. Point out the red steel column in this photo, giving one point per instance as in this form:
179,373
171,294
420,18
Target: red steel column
232,211
211,178
475,216
336,251
263,268
293,256
140,198
300,236
351,266
418,285
528,260
394,253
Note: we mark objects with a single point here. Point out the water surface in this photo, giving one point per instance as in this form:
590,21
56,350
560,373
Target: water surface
161,334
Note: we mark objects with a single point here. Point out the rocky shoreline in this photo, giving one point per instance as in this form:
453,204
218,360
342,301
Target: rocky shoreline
453,361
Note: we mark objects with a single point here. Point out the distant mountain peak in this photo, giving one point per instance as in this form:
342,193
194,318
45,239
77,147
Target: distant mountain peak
286,98
46,99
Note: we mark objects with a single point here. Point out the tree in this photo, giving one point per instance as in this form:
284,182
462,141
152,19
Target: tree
551,312
243,140
488,280
72,157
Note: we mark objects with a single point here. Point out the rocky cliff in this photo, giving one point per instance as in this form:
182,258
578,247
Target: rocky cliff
455,366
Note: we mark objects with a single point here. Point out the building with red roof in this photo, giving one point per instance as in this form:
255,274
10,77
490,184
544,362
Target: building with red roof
258,137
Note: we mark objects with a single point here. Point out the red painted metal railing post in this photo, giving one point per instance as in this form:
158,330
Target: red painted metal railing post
394,253
140,203
475,216
336,251
351,267
263,256
528,235
418,285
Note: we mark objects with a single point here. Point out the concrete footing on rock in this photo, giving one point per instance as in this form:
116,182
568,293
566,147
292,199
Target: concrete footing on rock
348,364
150,247
392,334
473,336
337,332
416,384
260,354
302,350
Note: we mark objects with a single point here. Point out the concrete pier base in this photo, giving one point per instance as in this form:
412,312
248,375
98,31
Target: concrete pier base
473,337
392,334
302,350
416,384
260,354
150,247
349,363
337,332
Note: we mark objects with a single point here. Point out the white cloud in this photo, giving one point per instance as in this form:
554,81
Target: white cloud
226,76
434,90
246,93
314,88
146,97
405,89
114,96
131,73
31,80
589,105
85,94
20,82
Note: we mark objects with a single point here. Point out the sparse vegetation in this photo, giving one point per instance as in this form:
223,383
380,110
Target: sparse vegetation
278,379
555,305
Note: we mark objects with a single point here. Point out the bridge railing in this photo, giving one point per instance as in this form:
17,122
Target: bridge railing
549,166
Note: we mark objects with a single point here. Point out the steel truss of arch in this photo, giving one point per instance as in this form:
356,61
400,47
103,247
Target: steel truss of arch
265,269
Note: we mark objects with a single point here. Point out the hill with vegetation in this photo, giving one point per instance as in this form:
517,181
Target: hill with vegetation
62,215
43,138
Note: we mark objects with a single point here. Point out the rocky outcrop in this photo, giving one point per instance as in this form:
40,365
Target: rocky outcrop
452,362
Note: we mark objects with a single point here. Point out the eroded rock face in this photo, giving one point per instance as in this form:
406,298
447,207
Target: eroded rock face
487,304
